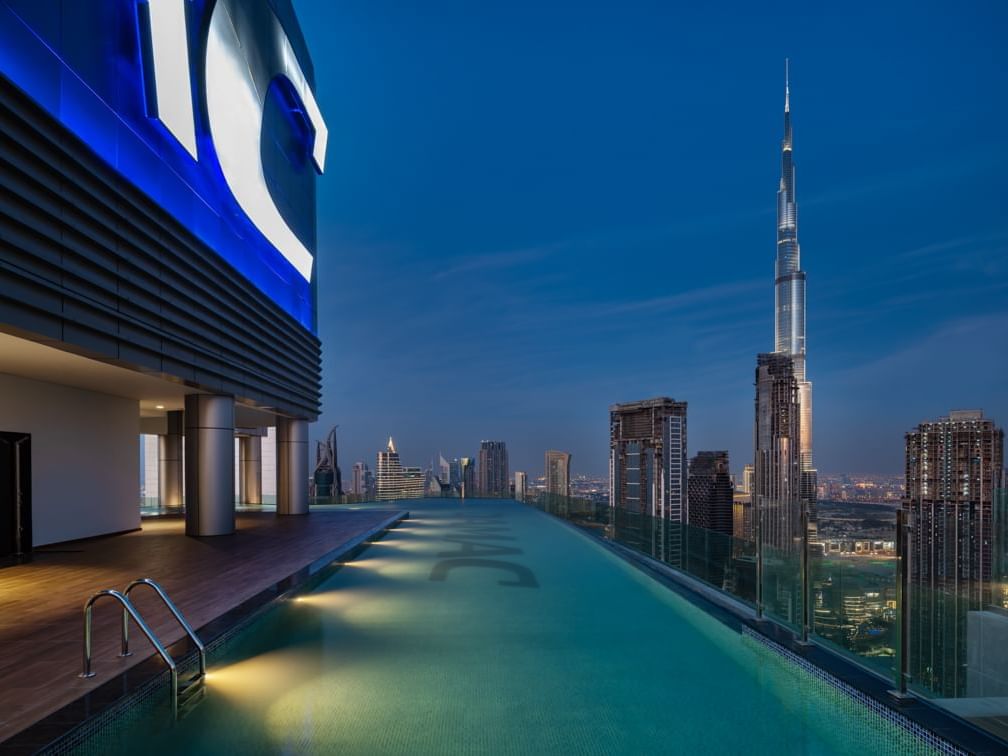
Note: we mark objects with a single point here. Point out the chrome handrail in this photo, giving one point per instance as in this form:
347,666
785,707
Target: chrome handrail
128,609
175,612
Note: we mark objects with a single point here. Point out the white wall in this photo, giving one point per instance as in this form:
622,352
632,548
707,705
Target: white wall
269,484
85,460
150,473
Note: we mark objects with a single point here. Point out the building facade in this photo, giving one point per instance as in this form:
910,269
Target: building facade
954,468
777,466
467,477
156,258
747,479
520,486
558,473
326,478
493,469
648,473
358,485
414,483
389,476
710,493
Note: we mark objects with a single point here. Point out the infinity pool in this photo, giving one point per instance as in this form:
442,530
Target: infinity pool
489,627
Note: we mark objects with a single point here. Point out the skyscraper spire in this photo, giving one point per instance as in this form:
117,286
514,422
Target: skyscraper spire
789,293
786,144
789,280
787,86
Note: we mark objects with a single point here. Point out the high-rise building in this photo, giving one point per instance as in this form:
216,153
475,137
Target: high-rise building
326,479
390,479
558,473
520,486
777,468
414,485
789,304
493,469
467,476
648,473
710,492
444,470
954,466
747,479
358,485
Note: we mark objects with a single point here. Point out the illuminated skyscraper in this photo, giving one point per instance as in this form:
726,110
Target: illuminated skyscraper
783,475
359,486
558,473
414,483
710,492
953,470
390,478
747,479
467,476
492,469
520,486
648,474
777,469
789,300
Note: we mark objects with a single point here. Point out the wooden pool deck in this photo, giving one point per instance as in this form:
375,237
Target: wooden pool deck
41,602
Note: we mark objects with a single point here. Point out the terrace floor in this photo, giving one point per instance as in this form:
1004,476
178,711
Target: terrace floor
41,602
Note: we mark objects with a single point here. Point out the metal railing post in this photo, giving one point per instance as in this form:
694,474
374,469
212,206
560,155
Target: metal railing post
758,516
904,528
806,617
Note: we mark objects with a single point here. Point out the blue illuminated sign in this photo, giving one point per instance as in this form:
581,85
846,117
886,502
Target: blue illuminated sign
207,107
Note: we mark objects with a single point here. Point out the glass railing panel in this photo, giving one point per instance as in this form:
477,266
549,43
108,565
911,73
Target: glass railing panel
719,559
853,602
782,585
958,655
959,618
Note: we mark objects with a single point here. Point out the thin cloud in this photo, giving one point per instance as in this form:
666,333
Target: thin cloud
499,260
718,293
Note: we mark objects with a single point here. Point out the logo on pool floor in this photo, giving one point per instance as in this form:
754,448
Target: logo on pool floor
472,536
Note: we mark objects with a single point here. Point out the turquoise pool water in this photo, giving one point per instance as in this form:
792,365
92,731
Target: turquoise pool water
489,627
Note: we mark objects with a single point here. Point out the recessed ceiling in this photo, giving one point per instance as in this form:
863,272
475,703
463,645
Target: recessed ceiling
40,362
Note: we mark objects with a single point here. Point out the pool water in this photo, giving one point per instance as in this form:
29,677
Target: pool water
488,627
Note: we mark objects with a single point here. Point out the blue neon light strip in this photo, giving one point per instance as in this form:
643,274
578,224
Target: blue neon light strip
81,61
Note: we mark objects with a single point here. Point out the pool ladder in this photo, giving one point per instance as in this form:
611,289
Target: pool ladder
192,688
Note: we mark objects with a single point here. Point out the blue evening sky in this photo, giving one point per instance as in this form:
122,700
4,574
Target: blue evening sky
533,210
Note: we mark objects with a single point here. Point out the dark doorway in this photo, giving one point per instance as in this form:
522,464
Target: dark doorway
15,498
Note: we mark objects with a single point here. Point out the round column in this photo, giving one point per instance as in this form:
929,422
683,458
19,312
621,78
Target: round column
209,465
170,462
250,472
292,466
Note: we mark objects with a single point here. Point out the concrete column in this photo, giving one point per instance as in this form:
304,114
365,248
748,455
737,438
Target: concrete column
292,466
250,469
170,462
209,465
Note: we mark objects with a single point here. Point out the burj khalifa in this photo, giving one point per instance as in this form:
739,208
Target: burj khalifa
789,299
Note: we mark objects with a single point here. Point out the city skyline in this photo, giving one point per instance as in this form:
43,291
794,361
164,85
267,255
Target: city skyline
601,160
